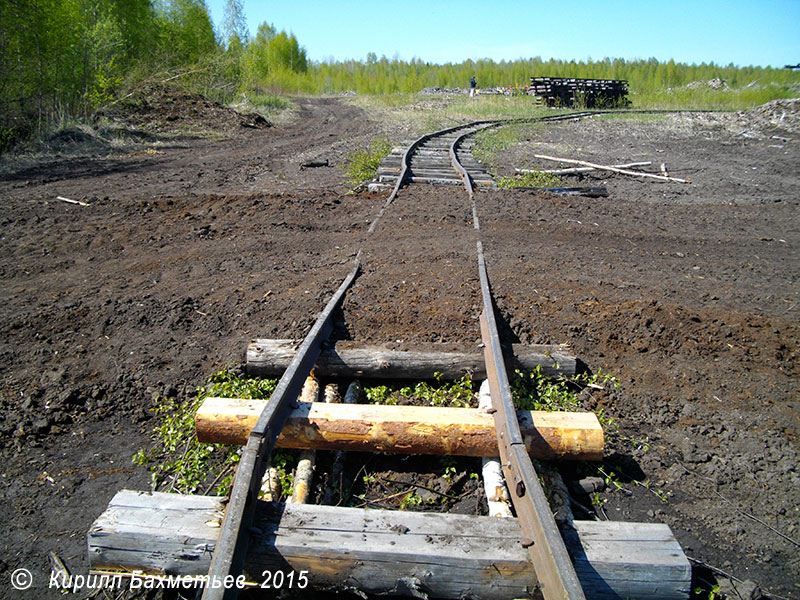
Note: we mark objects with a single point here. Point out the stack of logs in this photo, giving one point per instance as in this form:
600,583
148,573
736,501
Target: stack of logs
590,93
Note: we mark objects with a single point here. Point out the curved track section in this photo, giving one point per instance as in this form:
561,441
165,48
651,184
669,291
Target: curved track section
443,157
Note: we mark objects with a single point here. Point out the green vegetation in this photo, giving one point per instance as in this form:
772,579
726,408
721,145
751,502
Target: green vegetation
536,391
412,499
531,390
460,393
534,179
177,460
363,164
64,59
704,97
491,142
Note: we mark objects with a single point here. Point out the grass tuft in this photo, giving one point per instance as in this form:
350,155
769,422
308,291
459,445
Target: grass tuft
363,164
536,179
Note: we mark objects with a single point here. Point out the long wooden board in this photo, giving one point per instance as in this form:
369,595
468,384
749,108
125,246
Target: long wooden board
377,551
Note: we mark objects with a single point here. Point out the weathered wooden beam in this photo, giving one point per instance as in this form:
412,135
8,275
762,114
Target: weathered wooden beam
269,358
379,551
403,429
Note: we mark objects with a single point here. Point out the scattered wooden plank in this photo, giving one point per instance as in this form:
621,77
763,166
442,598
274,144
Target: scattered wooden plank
70,201
270,357
403,429
613,169
381,552
573,170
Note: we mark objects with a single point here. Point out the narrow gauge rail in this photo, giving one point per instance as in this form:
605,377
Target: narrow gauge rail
433,158
441,157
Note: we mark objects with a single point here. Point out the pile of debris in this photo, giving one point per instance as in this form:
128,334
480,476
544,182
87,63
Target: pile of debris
714,84
172,111
783,113
435,90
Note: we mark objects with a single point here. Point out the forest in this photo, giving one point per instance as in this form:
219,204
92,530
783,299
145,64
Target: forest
61,60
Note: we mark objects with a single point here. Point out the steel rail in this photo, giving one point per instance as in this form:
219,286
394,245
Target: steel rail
405,165
549,557
229,554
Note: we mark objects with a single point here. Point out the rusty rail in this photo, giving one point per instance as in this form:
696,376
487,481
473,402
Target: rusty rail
542,539
231,548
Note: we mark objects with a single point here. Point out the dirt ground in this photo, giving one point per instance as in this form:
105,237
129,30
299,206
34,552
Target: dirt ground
190,246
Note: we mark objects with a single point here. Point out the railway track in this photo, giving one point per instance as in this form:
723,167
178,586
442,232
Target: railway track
440,158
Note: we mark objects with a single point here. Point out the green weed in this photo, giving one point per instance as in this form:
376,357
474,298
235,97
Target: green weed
712,593
534,390
380,394
177,460
535,179
363,164
412,499
455,394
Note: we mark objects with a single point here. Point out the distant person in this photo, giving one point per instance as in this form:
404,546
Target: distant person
472,85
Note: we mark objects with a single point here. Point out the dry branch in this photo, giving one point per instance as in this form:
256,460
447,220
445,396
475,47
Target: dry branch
70,201
613,169
574,170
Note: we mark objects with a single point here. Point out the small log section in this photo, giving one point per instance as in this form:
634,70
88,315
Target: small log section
383,552
269,358
304,473
403,429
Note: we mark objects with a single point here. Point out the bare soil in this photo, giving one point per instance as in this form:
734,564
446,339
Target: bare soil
193,245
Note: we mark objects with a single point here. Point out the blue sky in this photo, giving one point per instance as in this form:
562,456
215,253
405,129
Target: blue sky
740,32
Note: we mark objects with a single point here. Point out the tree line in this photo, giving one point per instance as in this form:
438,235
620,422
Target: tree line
62,59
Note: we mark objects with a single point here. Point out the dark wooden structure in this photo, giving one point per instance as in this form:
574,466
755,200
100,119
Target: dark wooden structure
589,93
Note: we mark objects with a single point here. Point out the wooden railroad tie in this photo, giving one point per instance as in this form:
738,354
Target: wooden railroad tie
270,357
382,551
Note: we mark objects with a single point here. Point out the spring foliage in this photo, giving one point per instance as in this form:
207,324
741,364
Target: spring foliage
62,59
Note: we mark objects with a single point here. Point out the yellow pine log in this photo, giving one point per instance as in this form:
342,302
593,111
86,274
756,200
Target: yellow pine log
403,429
